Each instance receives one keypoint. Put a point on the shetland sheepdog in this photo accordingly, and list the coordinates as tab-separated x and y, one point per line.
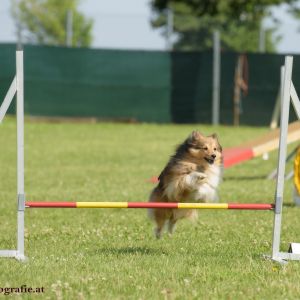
192	174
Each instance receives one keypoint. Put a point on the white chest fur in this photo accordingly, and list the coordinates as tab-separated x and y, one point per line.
202	186
206	189
213	175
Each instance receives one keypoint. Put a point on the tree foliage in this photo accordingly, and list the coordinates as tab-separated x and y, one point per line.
238	21
295	11
44	22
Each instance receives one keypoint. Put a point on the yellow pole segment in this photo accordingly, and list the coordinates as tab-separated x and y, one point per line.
101	204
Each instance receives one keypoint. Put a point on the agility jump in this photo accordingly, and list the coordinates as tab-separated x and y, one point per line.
240	206
288	93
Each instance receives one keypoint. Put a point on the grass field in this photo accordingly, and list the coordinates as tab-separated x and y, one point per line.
112	254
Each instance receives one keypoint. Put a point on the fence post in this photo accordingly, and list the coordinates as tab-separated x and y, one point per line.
216	78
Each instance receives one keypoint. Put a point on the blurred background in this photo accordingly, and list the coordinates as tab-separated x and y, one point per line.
157	61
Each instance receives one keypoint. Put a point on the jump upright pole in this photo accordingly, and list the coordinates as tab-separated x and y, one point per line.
20	156
17	87
173	205
287	93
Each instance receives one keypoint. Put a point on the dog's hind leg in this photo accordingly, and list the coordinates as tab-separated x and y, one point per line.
160	218
159	228
172	225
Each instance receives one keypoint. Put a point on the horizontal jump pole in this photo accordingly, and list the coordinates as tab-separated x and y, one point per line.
240	206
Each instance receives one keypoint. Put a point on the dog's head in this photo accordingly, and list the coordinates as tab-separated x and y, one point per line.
204	148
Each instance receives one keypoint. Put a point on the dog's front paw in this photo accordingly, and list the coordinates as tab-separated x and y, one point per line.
199	176
195	178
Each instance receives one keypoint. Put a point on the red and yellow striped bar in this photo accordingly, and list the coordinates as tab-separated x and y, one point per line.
238	206
51	204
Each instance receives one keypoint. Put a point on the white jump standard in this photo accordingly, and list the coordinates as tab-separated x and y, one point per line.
17	87
288	93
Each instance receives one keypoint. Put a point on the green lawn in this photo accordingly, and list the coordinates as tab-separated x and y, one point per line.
112	254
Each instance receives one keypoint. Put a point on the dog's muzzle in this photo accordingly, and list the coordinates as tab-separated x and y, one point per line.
210	160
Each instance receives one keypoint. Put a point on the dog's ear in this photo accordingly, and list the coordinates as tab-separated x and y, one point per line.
194	136
215	137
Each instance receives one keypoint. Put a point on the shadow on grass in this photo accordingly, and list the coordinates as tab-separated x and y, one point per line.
130	250
290	205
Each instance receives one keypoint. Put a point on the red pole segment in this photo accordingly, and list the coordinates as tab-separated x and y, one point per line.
51	204
249	206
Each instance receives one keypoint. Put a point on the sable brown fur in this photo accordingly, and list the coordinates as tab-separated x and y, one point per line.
192	174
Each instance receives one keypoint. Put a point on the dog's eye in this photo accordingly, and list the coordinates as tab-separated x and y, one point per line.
215	149
205	148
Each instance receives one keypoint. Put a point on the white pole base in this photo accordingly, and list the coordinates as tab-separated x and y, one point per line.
276	259
21	257
13	254
284	257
